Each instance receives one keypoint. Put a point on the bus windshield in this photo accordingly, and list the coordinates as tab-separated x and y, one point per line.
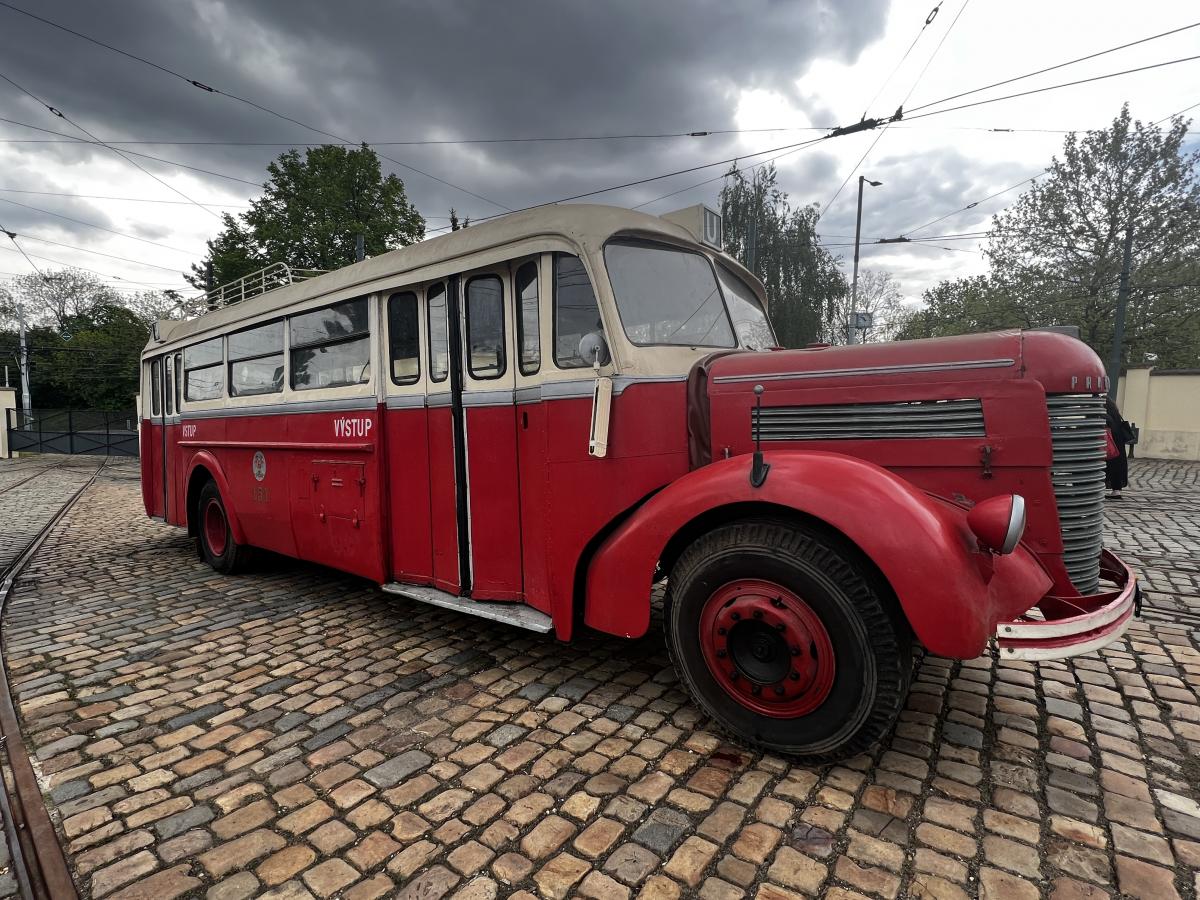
667	296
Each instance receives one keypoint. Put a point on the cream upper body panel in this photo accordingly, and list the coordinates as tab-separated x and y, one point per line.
581	228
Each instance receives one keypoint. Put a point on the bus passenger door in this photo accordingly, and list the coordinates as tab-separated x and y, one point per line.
170	413
493	507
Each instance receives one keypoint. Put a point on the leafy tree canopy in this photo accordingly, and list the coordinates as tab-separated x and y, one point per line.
778	242
84	338
1056	255
311	212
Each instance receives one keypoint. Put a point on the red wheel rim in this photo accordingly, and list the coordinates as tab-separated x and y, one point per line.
767	648
216	529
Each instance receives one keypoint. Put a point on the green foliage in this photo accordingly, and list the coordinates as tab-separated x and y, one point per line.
310	214
1057	253
85	340
804	284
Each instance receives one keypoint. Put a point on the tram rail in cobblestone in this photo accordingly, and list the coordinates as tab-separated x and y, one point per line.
42	470
38	860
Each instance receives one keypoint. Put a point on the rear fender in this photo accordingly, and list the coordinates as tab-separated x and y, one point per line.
951	592
207	461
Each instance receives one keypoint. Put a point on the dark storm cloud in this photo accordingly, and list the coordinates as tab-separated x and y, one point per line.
396	71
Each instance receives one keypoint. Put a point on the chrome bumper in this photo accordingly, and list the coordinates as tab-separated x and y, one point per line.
1063	627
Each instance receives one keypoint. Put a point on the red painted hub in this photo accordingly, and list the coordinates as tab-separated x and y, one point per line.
767	648
216	529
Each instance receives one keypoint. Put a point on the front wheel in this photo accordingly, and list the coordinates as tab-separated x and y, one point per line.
784	638
217	544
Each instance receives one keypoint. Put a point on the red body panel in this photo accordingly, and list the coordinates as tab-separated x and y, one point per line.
409	484
495	502
906	533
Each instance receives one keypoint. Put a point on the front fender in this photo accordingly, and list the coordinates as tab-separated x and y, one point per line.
951	592
209	462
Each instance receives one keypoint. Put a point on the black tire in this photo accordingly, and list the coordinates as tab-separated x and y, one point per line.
233	557
870	639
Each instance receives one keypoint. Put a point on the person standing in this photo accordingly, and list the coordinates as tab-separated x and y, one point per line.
1116	466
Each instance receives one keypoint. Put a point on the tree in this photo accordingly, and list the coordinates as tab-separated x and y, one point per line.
310	215
878	294
85	339
963	306
60	296
455	224
803	281
1056	255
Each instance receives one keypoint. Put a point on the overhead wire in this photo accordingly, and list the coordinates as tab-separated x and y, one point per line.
169	162
121	153
1061	65
137	262
1052	87
4	190
928	21
214	90
822	210
98	227
12	236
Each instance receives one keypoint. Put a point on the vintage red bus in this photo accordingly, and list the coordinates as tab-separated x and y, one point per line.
537	419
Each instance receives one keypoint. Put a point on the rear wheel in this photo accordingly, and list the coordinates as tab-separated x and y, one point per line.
783	637
217	544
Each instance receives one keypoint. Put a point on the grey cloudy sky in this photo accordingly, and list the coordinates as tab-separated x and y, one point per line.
452	69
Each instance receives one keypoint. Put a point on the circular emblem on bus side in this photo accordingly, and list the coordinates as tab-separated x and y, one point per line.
260	466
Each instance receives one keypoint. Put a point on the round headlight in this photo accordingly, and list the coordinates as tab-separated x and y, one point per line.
998	522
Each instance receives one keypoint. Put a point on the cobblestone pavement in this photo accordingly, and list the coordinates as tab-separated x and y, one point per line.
293	733
31	491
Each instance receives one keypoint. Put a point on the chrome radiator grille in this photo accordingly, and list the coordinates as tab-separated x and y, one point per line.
1077	436
871	421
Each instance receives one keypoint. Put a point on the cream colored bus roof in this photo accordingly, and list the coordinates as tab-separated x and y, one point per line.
588	225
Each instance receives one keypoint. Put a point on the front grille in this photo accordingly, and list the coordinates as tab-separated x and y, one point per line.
871	421
1077	435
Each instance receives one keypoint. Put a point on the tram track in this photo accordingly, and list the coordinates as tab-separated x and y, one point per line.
38	470
37	858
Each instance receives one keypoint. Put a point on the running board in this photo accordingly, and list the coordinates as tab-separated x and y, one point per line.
517	614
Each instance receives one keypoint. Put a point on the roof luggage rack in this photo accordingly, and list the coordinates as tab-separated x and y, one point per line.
274	276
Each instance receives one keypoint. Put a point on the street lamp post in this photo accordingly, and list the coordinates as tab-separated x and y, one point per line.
851	329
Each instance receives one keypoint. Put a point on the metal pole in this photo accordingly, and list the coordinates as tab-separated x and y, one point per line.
1114	359
25	400
851	331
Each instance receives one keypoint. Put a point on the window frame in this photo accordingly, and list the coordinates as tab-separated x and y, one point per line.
663	245
444	283
503	370
156	387
291	348
219	364
282	351
410	380
519	316
178	387
554	307
168	379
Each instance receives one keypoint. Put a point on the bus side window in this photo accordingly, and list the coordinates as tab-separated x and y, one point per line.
439	335
404	340
525	285
485	327
256	360
575	310
170	380
156	387
331	347
178	381
204	370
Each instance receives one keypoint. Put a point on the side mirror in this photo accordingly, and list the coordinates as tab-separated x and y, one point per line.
593	349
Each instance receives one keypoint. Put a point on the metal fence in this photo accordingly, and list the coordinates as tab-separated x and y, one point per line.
91	432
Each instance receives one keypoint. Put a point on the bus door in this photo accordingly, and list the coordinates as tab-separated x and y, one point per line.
170	437
154	442
474	489
489	415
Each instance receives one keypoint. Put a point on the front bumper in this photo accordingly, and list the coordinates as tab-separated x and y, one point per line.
1061	627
